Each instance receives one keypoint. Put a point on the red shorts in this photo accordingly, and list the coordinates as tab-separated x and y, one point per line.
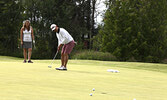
67	48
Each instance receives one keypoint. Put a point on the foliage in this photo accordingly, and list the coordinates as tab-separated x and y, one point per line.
10	26
93	55
136	29
133	29
72	15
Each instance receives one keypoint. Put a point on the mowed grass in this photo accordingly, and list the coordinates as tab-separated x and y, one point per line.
23	81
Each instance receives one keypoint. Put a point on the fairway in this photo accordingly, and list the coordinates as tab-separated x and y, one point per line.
24	81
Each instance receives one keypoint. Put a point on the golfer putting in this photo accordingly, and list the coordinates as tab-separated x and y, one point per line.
66	41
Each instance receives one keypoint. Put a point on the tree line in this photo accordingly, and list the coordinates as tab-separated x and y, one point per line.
132	30
76	16
135	30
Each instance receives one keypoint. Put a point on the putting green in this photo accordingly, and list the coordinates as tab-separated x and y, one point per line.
24	81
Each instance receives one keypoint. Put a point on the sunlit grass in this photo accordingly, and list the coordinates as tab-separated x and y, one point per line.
20	81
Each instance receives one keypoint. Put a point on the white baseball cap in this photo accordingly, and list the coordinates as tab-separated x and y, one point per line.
53	27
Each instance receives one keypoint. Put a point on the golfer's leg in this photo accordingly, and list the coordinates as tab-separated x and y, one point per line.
65	60
62	59
29	53
25	53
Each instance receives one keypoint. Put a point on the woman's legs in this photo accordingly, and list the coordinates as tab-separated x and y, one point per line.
29	53
25	54
27	46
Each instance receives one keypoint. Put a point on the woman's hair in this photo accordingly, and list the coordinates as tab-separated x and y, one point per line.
24	25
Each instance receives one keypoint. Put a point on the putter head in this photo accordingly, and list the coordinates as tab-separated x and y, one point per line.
49	66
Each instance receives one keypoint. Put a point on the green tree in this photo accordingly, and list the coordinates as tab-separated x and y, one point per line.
135	29
76	16
10	26
154	17
67	14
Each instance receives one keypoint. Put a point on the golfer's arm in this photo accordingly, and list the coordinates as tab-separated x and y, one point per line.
60	46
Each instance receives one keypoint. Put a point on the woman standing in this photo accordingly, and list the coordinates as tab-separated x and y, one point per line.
26	34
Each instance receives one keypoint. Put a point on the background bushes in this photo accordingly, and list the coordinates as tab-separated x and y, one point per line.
93	55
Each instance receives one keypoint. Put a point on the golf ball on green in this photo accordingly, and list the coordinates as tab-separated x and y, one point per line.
90	94
49	66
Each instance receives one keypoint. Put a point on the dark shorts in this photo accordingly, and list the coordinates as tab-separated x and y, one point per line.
27	45
67	48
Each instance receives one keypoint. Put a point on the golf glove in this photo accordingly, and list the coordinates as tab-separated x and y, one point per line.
33	41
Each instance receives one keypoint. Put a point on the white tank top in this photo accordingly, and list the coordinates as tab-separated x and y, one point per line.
27	36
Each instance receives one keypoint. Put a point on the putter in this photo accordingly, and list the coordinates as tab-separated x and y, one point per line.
50	66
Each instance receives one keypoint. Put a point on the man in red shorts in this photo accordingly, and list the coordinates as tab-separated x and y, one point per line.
65	40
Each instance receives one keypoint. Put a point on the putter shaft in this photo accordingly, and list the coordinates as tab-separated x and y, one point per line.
53	58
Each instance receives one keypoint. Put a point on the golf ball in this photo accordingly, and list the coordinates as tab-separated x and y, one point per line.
49	66
134	99
93	89
91	94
